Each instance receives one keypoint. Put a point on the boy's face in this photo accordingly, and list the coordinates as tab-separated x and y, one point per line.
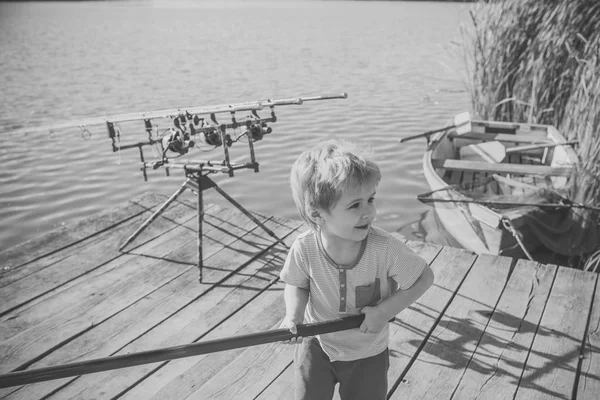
352	216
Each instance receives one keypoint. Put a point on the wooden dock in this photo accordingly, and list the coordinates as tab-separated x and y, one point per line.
490	327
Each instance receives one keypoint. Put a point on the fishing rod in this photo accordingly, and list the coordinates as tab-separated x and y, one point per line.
188	128
189	124
174	112
171	353
506	203
564	202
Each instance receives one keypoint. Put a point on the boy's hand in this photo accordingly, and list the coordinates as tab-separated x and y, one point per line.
374	321
290	325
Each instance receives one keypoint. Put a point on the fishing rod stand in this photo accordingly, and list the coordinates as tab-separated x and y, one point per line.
197	180
178	140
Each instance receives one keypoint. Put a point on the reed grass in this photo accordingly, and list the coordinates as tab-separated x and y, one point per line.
538	61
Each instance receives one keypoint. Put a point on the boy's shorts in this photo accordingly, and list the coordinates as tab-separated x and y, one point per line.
315	375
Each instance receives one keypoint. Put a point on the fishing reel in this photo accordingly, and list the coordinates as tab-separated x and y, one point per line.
213	133
257	130
177	141
214	137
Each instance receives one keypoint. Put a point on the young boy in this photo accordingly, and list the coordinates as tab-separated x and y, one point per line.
344	266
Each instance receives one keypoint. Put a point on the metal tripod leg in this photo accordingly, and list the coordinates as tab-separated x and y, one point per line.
198	183
246	212
200	208
202	183
208	183
156	214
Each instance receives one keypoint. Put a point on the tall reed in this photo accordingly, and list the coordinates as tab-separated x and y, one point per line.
538	61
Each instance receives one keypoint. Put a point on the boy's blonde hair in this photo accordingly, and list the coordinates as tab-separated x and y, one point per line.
320	175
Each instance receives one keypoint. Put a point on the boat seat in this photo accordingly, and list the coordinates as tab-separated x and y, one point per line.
500	137
501	168
492	152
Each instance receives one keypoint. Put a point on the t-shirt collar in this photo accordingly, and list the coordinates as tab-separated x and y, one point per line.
363	246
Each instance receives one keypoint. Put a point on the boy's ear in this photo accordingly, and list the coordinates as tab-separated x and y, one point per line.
315	216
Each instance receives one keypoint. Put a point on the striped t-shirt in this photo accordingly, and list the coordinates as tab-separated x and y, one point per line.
337	291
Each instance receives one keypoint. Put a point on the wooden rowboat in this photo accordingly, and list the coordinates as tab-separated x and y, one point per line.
495	185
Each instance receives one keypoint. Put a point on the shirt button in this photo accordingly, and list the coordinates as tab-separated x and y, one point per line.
342	285
343	298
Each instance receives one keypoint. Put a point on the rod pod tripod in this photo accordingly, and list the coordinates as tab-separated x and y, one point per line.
198	181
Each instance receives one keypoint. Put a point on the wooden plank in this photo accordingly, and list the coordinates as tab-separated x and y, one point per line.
82	229
91	233
501	129
192	376
480	126
76	270
529	147
468	178
455	177
428	251
517	169
103	293
130	223
47	274
204	301
282	387
502	137
493	187
248	374
125	328
177	379
589	378
552	363
497	363
516	159
412	328
441	362
263	313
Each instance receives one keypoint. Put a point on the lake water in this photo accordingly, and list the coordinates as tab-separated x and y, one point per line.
398	62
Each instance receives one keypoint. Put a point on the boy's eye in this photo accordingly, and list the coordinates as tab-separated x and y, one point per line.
355	205
372	200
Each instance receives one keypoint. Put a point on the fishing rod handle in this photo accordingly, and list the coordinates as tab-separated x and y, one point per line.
152	356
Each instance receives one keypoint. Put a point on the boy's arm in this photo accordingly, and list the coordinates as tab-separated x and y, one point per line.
296	300
377	317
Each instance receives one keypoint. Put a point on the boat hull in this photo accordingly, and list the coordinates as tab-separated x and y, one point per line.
477	227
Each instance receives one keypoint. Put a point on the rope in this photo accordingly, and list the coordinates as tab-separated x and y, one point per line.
593	263
509	226
147	357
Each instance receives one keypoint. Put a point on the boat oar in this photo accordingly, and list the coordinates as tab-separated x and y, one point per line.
527	147
496	152
462	123
171	353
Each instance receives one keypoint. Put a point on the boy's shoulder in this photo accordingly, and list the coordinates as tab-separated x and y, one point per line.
378	234
306	238
382	239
